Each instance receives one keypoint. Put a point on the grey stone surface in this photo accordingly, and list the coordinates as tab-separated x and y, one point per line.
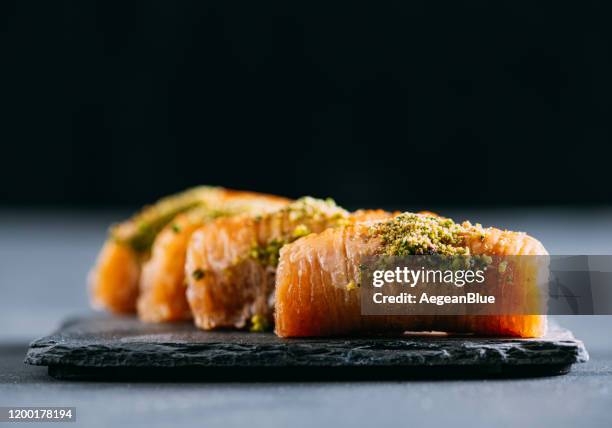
126	343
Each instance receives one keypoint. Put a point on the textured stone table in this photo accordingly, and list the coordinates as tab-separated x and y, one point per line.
104	347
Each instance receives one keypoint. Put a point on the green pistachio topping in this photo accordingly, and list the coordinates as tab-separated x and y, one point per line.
486	259
314	209
267	255
351	286
301	230
259	323
307	213
140	231
198	274
417	234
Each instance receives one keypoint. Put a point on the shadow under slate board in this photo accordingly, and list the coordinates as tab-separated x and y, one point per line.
112	348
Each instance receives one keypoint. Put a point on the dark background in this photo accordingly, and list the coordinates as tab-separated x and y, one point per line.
412	103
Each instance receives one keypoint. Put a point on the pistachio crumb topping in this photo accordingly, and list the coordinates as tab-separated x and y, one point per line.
198	274
307	213
268	254
308	207
351	286
176	228
417	234
259	323
486	259
140	231
301	230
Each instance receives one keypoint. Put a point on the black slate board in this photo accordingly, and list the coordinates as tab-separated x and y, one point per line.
124	348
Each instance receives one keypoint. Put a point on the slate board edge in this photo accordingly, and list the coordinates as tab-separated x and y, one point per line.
362	352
